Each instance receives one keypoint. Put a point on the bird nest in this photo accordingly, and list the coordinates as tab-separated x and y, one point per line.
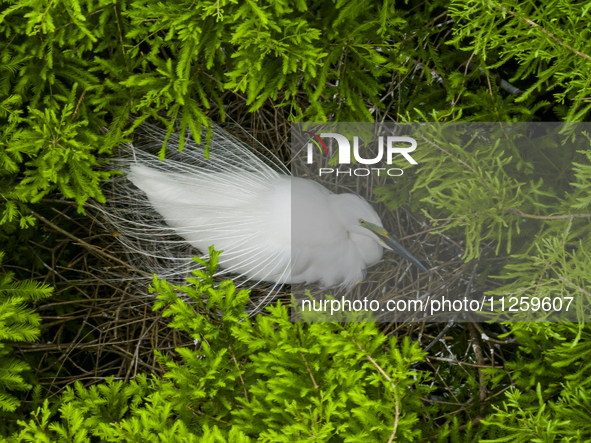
100	321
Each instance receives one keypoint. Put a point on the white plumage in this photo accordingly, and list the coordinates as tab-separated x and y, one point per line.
271	227
250	218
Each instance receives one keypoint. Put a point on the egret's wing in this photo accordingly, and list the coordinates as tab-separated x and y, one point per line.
225	153
165	212
243	218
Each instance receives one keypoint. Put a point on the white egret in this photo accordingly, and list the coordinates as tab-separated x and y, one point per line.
272	227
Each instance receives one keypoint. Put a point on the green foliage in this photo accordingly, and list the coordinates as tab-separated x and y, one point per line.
553	376
549	43
18	322
69	69
267	379
496	185
72	68
61	157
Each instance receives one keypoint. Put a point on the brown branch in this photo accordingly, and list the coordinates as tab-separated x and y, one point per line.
480	359
119	28
394	387
78	104
458	362
547	217
396	414
503	84
309	370
549	34
239	372
573	285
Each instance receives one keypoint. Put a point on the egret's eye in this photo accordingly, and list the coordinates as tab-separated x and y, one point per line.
361	221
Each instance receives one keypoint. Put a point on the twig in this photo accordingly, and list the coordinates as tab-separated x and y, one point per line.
458	362
547	217
119	28
78	104
309	370
394	387
439	336
86	245
480	359
503	84
549	34
239	372
396	414
570	283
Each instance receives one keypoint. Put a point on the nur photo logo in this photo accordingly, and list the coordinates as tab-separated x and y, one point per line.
387	146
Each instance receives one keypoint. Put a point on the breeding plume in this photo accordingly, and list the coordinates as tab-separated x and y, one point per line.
271	226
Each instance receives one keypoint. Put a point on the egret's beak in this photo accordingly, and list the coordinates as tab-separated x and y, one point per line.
390	243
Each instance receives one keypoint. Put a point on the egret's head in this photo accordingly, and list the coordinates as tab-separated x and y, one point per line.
389	242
